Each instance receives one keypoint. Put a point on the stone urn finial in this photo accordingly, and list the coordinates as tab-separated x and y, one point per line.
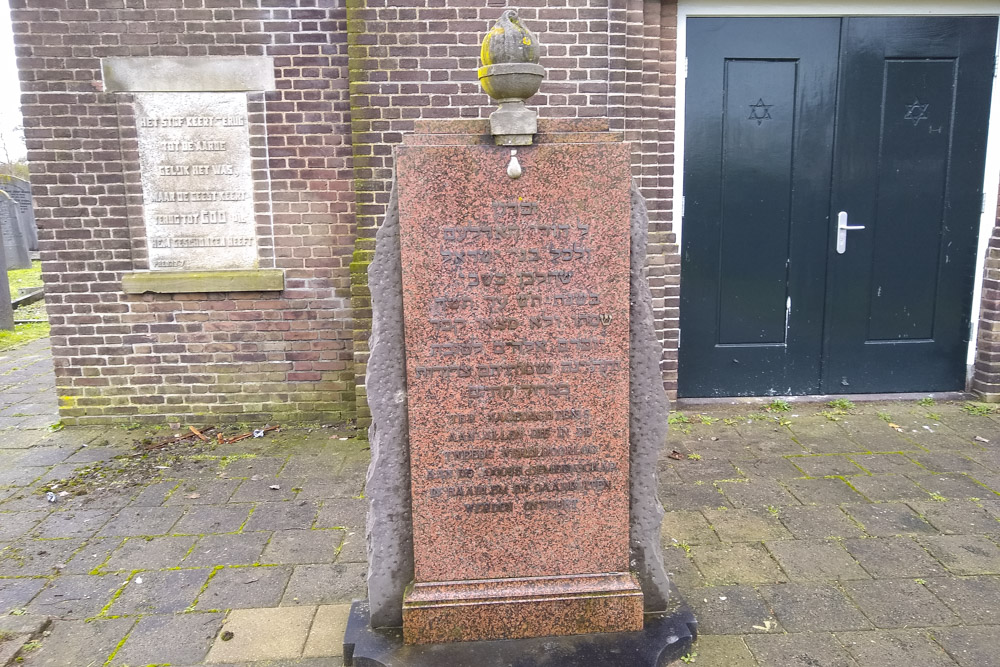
510	74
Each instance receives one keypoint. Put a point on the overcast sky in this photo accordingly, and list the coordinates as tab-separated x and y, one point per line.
10	91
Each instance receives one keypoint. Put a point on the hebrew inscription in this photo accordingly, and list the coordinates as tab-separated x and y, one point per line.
516	308
197	190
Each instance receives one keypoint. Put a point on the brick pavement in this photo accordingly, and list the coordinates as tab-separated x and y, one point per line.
806	537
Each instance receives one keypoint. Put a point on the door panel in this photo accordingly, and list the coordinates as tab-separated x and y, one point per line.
768	305
756	211
761	101
909	160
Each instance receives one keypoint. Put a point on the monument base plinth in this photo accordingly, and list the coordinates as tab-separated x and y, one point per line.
519	608
663	639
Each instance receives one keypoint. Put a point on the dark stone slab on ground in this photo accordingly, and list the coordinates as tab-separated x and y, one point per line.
664	639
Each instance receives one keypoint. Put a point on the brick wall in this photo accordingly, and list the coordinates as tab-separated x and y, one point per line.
986	371
413	59
351	80
238	356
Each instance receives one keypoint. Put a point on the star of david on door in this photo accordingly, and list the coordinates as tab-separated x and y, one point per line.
916	112
760	111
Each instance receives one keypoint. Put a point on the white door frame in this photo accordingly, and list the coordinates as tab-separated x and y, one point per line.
693	8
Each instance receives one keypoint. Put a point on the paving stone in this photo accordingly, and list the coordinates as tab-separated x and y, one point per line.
822	491
888	488
291	514
73	523
731	610
265	466
809	522
326	637
769	469
155	494
263	634
887	557
205	519
25	500
29	558
746	525
15	524
203	492
737	564
722	651
75	597
354	548
343	487
971	647
92	555
965	554
974	599
680	568
894	648
703	470
782	445
243	587
799	650
312	465
303	546
46	456
326	584
899	603
951	486
686	527
944	462
808	607
759	493
21	475
142	521
342	512
815	560
235	549
825	465
878	464
889	519
691	497
164	592
176	639
79	643
16	593
94	454
957	517
259	490
140	553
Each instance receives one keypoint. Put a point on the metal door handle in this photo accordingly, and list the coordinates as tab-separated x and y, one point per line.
842	229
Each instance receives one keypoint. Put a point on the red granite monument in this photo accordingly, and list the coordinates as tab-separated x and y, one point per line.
517	401
516	303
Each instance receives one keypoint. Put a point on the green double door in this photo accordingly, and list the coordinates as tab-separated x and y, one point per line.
833	179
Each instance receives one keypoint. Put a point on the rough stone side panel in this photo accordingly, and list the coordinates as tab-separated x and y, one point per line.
390	531
647	423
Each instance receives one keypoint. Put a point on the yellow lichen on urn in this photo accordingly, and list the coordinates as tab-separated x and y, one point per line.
509	42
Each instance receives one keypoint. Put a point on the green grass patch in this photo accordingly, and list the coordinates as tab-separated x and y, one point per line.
25	279
23	333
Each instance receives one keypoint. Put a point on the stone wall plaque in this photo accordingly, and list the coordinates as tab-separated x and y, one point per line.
197	187
516	303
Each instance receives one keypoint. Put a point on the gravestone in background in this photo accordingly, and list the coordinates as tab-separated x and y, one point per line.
20	191
14	244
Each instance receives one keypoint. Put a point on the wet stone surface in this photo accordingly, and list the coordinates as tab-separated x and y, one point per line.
820	578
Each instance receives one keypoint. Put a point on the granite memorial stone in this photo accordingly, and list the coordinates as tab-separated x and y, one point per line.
518	409
194	155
